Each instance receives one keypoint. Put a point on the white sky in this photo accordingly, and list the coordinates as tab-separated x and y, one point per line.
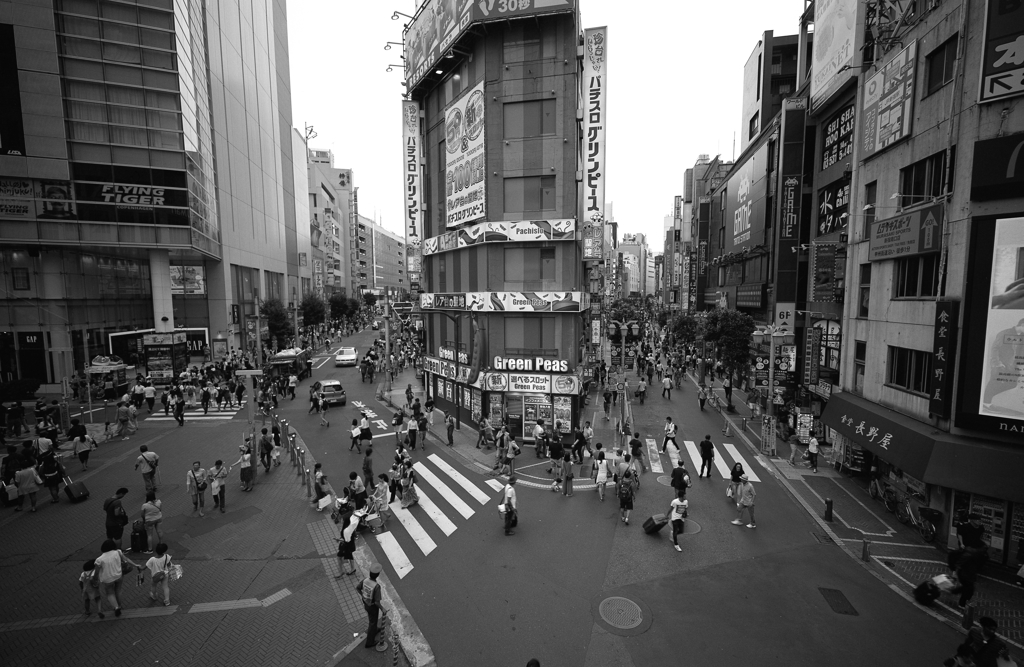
674	86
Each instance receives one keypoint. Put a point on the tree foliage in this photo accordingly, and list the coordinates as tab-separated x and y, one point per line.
339	305
313	310
685	328
370	298
276	315
730	331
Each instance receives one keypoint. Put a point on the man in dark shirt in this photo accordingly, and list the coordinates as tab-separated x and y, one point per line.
680	478
707	455
579	443
77	429
636	450
971	534
988	648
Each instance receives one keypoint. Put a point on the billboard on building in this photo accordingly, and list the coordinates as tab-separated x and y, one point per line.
188	279
837	138
12	129
595	119
746	198
501	232
834	48
465	161
413	195
439	23
521	302
1002	375
914	233
1002	66
887	115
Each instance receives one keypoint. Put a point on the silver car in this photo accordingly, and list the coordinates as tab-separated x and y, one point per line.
333	392
346	357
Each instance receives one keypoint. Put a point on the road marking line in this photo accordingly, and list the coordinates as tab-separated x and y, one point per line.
415	530
191	418
889	544
396	556
652	456
224	606
691	449
673	454
433	511
888	528
839	516
458	503
737	457
320	365
280	595
723	467
495	484
460	479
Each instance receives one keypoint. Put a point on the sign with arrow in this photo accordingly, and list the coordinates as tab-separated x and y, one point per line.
1002	61
916	232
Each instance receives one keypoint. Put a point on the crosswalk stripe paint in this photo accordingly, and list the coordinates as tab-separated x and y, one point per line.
396	556
458	503
413	527
460	479
694	453
495	484
434	512
190	418
652	456
723	467
735	454
673	454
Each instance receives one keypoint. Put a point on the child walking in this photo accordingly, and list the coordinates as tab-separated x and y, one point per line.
158	567
89	583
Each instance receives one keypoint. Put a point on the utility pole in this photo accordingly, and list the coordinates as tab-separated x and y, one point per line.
295	317
259	330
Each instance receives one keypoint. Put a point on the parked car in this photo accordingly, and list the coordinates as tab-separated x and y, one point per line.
334	393
376	325
346	357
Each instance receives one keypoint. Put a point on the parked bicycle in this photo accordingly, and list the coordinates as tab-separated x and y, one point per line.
924	520
878	489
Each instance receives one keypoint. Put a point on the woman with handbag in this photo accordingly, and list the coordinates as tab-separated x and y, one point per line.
409	495
218	480
347	545
27	480
736	475
195	484
151	518
111	566
83	446
602	471
245	460
567	475
159	570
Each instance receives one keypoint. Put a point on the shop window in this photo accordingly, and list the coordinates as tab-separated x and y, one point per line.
870	201
916	277
860	359
865	290
529	119
941	64
909	370
922	180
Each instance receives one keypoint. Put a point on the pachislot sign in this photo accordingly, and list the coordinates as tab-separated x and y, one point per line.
522	302
501	232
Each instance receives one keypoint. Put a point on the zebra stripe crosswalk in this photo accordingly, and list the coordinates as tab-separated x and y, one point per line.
417	530
720	462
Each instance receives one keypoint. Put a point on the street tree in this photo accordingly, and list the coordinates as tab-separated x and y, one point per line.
274	312
370	298
730	331
686	328
313	310
340	306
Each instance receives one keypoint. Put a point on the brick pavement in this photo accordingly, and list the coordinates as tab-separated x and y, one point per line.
259	559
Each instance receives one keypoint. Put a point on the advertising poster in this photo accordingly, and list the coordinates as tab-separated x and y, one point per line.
563	412
837	138
188	279
1002	68
1002	381
888	112
595	119
439	23
12	129
834	207
914	233
745	203
524	302
465	168
501	232
413	196
16	198
54	201
835	29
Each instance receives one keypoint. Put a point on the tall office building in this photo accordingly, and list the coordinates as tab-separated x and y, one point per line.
147	179
501	214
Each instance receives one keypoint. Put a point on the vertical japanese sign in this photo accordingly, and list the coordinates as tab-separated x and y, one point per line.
811	356
947	317
595	114
411	162
1002	62
465	166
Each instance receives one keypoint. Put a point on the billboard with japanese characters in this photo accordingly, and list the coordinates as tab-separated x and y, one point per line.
834	48
465	161
1002	61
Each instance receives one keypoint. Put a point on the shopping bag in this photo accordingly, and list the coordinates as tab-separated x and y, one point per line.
175	572
323	503
728	491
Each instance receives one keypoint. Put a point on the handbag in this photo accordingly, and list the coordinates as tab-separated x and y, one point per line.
200	486
323	503
729	491
356	432
127	567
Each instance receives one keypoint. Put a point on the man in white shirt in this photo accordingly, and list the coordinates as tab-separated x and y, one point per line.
670	435
677	515
293	382
511	505
148	461
149	391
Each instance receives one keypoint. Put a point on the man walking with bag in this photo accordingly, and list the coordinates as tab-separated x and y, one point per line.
369	591
508	498
745	501
707	455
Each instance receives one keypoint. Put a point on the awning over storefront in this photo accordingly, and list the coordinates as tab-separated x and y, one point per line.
931	455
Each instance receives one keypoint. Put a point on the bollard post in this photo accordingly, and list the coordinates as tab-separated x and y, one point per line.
302	461
828	509
865	551
743	422
291	447
309	486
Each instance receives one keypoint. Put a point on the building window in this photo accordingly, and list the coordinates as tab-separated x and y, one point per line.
940	64
916	277
525	41
860	360
529	265
754	125
529	333
909	370
870	201
529	119
922	181
530	194
865	290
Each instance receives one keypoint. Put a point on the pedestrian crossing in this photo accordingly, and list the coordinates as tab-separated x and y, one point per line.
194	414
723	467
445	494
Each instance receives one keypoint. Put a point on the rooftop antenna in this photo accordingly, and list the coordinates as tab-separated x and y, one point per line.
733	146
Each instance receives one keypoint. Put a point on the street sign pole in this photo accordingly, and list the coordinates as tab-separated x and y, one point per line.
251	405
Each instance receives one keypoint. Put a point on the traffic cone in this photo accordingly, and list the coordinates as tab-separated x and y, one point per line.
727	431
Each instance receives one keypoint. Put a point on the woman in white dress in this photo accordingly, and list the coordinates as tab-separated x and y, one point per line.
601	474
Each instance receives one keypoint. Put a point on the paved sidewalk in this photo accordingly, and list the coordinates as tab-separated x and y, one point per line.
258	584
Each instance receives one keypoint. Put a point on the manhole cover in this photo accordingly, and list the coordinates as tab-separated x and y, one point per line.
621	613
838	601
665	479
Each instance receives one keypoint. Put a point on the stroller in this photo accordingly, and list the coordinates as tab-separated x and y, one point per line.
372	515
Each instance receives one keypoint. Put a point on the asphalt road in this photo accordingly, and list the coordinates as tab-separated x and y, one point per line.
733	596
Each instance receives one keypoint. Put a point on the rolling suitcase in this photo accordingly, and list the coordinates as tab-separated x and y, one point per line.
75	491
140	541
655	523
